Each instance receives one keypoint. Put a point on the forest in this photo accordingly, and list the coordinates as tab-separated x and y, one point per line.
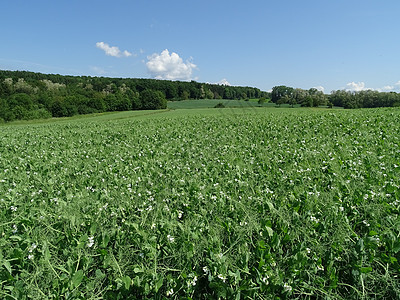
28	95
340	98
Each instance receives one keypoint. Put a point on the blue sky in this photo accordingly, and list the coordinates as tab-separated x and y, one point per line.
335	44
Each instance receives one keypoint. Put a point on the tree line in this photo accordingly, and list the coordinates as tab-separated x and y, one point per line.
29	95
342	98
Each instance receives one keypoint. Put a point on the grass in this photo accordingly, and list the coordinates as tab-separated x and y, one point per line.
245	203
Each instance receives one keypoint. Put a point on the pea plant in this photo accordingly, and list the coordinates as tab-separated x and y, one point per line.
254	204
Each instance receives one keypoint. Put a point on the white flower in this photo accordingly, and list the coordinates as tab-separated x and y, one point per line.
13	208
170	292
220	276
308	250
90	241
180	213
206	270
33	247
314	219
194	280
30	256
153	225
287	287
15	229
170	238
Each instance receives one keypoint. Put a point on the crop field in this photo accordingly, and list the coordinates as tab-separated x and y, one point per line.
210	103
257	203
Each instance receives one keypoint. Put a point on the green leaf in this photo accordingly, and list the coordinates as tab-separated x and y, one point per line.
366	269
15	238
46	252
261	245
106	239
99	274
77	278
261	263
136	226
127	282
396	247
7	265
159	284
270	231
270	205
93	228
82	241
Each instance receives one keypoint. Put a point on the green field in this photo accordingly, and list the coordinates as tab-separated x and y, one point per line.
210	103
233	203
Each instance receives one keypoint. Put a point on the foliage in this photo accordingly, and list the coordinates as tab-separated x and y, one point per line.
368	99
244	204
23	93
288	95
262	100
153	100
347	99
281	91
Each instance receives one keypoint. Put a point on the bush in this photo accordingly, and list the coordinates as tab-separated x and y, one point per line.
40	113
262	100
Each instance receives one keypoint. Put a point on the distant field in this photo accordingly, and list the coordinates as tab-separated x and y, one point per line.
206	103
232	203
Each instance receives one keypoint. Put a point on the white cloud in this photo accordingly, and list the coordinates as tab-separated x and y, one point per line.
356	86
386	88
320	88
360	86
223	82
112	51
390	88
169	66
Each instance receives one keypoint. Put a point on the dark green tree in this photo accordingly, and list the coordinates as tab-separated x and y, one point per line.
281	91
152	99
